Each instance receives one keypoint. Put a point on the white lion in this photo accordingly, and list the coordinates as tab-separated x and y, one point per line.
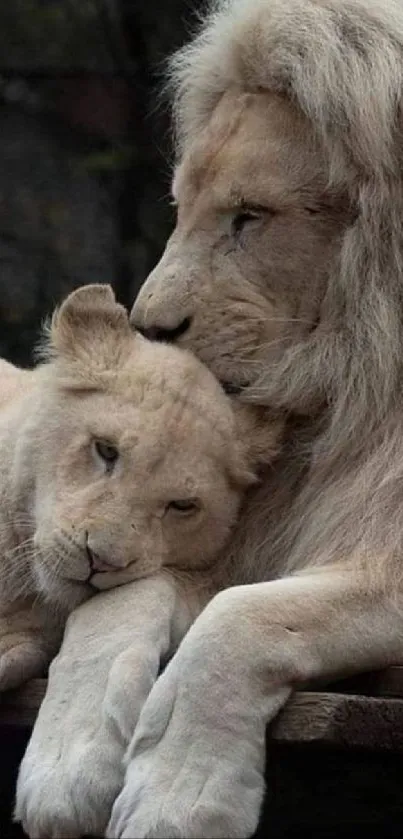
119	458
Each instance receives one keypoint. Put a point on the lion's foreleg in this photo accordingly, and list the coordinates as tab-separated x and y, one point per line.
197	758
112	652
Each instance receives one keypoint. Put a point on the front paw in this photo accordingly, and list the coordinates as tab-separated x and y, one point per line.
22	657
188	774
69	791
205	797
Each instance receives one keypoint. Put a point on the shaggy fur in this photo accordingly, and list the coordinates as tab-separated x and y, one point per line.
284	274
74	522
342	64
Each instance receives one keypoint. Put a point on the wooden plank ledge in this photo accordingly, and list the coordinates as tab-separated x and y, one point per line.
342	720
371	717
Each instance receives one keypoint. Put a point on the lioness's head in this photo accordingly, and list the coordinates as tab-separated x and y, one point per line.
138	458
284	272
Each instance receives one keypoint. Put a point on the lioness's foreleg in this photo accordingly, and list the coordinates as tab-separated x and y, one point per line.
197	758
29	638
111	655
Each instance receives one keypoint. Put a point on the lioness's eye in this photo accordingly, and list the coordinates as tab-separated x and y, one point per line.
186	506
106	452
245	216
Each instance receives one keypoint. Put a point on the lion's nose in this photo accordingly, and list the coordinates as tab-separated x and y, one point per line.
97	564
157	332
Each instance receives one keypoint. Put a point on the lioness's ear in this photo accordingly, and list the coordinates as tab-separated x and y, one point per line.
90	326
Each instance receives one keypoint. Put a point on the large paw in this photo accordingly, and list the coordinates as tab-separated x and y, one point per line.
190	772
22	657
204	797
73	768
69	791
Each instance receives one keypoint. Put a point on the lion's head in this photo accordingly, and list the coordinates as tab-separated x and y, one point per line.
135	457
255	221
285	270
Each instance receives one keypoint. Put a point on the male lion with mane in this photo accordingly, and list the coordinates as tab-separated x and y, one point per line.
285	276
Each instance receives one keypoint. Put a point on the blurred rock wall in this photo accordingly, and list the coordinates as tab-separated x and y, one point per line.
84	151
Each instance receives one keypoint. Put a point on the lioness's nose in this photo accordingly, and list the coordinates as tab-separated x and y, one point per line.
156	332
97	563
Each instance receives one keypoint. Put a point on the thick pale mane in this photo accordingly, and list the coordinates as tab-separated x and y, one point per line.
341	64
341	60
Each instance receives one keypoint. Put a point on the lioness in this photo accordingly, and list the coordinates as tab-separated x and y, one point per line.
119	457
285	275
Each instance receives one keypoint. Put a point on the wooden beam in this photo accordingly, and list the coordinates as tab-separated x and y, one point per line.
311	717
20	707
342	720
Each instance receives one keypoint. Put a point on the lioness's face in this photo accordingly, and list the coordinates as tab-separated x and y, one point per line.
141	473
245	271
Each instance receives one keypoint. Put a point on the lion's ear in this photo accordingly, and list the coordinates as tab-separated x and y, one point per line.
91	327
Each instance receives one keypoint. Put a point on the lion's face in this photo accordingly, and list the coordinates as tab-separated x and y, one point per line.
245	271
138	459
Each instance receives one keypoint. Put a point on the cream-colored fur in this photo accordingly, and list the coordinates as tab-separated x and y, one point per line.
72	521
285	275
112	652
179	437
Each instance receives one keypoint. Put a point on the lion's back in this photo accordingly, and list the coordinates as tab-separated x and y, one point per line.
14	383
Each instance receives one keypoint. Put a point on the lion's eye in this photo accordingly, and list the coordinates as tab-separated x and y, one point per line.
106	452
185	506
245	216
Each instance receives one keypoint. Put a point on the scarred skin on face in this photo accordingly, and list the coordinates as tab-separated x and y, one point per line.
250	184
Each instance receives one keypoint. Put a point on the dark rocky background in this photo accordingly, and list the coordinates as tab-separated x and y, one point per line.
84	151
